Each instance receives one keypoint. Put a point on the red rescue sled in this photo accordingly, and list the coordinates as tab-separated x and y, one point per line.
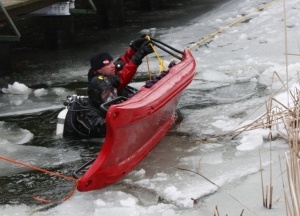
136	125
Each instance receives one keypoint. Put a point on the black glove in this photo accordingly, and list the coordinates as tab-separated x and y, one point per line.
137	43
144	50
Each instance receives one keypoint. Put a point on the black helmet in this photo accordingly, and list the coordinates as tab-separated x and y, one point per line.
99	89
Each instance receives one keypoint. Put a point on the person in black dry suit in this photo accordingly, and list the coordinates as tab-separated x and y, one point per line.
107	80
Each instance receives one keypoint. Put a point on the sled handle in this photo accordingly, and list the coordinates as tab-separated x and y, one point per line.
172	48
83	168
167	51
159	44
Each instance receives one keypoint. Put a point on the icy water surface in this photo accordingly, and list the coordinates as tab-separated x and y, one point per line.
44	149
192	169
29	120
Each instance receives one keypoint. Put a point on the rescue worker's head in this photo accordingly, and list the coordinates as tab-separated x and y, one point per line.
99	90
102	63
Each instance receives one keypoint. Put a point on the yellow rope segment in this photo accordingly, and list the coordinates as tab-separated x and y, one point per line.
162	67
231	24
161	64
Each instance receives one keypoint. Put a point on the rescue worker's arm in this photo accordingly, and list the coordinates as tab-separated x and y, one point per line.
127	73
133	48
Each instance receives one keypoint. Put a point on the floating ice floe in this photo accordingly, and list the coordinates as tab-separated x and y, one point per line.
16	88
40	92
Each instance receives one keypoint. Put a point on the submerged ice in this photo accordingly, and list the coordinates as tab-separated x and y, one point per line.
12	134
12	146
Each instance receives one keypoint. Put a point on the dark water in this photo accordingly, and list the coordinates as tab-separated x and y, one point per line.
21	187
34	66
30	59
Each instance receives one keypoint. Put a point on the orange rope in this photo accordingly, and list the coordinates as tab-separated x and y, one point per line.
48	172
37	168
65	199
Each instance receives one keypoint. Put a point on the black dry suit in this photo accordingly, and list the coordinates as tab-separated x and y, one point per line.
85	117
